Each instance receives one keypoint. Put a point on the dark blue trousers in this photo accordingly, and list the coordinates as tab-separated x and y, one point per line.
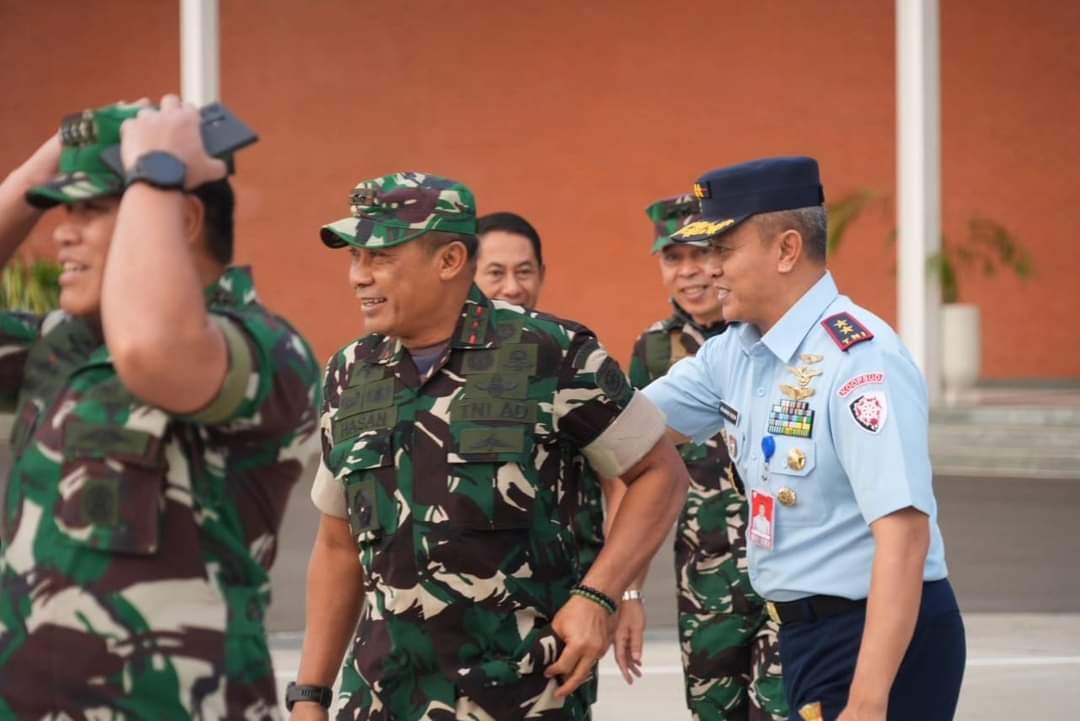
819	657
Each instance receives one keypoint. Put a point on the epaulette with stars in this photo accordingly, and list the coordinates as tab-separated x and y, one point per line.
845	330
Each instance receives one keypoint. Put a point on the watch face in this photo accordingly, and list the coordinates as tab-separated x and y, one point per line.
162	170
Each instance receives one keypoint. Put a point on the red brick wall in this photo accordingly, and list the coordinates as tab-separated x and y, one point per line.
578	115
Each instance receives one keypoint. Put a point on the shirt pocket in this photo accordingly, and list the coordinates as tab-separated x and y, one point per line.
791	469
112	485
488	484
367	473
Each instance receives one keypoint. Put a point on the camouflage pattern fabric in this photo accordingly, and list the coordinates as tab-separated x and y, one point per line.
670	214
83	175
395	209
460	493
136	545
731	660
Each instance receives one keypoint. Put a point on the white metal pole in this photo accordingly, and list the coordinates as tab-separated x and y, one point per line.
918	184
199	61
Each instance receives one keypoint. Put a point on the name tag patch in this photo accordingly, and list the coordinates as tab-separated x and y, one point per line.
351	426
494	409
730	414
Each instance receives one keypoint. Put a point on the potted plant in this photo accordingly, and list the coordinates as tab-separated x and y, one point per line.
987	247
32	286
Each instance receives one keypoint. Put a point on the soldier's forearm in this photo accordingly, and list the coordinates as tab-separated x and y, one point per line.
334	597
901	541
656	492
165	348
614	492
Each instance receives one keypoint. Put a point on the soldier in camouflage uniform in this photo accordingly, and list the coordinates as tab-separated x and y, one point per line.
453	441
510	267
730	655
149	481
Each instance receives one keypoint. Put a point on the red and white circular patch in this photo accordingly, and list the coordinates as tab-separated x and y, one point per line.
870	411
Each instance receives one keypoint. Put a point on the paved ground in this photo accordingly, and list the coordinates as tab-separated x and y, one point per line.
1020	666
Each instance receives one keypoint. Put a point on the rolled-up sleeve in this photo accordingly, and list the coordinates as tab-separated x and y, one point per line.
599	411
271	386
327	493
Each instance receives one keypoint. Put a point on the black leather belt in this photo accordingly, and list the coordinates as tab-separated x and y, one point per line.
811	608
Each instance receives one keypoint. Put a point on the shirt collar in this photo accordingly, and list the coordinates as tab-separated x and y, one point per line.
784	338
680	317
475	329
476	326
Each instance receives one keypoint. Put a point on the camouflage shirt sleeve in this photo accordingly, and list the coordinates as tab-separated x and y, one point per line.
327	493
18	331
639	370
271	385
597	408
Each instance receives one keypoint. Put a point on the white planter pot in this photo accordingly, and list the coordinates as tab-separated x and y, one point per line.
961	345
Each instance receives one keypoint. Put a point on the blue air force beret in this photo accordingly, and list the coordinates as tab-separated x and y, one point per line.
730	195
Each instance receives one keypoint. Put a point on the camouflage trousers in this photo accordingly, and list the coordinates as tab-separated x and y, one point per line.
434	697
731	664
730	652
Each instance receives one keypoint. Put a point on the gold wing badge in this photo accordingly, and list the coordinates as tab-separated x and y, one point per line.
796	394
804	375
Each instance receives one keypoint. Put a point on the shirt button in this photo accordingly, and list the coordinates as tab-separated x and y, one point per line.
753	456
761	392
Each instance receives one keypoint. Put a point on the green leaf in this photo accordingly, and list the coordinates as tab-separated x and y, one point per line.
842	213
32	287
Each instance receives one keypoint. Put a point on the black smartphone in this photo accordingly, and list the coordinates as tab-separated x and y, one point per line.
222	132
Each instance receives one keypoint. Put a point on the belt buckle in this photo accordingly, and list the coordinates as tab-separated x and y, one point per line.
774	614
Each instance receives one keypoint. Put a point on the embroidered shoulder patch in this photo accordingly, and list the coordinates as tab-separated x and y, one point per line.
860	380
870	411
845	330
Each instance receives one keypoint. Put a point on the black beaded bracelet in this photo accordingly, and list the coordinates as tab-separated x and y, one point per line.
595	596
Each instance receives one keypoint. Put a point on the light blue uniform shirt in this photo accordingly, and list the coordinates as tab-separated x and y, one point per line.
867	454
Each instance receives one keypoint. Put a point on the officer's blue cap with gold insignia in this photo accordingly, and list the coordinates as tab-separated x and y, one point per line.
730	195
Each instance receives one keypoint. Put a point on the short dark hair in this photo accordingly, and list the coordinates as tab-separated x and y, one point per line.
810	222
435	239
512	223
219	206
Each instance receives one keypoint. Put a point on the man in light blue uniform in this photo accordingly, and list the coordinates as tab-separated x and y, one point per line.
825	415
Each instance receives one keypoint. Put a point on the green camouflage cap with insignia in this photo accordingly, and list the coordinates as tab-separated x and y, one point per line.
395	209
83	176
670	214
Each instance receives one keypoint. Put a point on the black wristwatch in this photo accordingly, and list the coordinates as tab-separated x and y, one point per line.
159	169
322	695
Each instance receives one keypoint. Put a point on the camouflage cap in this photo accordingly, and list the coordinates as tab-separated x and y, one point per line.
397	208
82	174
670	214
